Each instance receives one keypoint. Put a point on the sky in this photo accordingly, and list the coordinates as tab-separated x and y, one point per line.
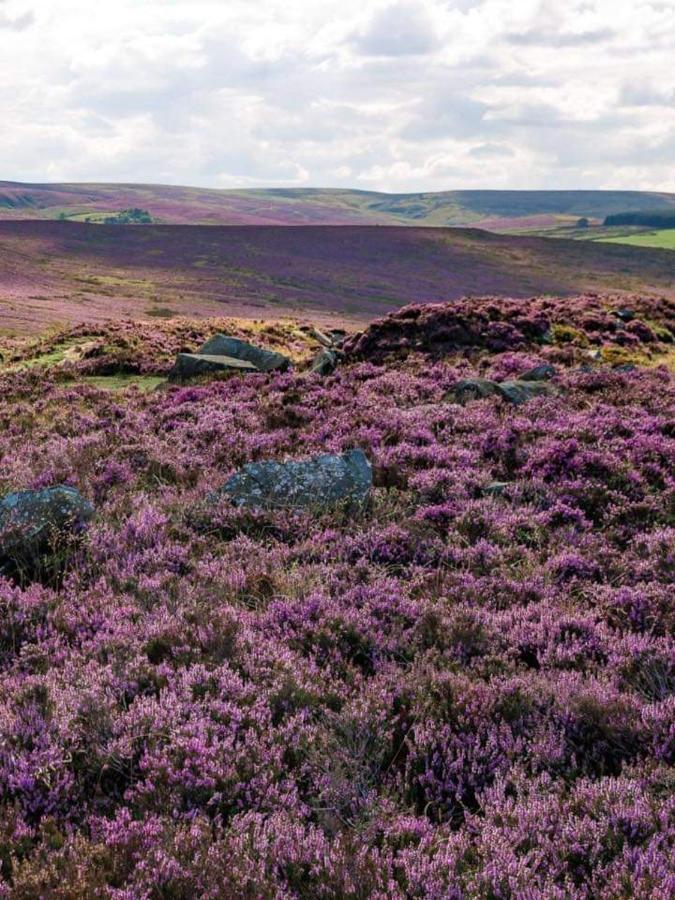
390	95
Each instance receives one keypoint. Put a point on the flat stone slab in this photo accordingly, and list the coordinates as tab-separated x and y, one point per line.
234	348
317	483
189	365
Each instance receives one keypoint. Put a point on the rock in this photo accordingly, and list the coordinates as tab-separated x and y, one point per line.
594	355
31	522
495	488
316	483
626	315
624	367
474	389
325	362
263	360
515	392
519	392
542	372
189	365
324	339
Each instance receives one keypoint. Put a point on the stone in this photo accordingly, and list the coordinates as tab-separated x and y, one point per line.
324	339
33	521
317	483
189	365
626	315
519	392
263	360
624	367
474	389
325	362
495	488
542	372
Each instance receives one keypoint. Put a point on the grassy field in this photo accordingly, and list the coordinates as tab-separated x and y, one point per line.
663	238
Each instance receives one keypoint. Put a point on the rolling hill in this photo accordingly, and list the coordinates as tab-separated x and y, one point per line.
492	210
66	272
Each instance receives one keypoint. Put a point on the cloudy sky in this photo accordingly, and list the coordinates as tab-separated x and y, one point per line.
395	95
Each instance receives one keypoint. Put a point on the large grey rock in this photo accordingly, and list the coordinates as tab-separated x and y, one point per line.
189	365
325	362
33	521
542	372
474	389
317	483
516	392
263	360
519	392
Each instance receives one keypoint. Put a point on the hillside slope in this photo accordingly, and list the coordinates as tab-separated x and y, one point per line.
495	210
65	272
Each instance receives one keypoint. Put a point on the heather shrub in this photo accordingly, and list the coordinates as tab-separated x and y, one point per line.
458	691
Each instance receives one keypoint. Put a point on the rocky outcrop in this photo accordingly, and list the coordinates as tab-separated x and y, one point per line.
227	354
318	483
33	523
474	389
263	360
516	392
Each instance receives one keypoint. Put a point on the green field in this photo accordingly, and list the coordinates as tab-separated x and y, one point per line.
663	238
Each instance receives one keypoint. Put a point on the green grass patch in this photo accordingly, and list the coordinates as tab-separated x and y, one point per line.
663	239
121	382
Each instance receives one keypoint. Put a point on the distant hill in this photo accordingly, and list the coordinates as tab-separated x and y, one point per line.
501	211
67	272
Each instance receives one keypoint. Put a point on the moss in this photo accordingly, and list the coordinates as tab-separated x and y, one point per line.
565	334
621	356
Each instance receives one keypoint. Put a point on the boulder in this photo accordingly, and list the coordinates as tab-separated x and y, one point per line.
519	392
317	483
32	522
263	360
542	372
515	392
325	362
626	315
189	365
474	389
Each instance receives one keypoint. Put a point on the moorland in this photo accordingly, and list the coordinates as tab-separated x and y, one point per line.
460	686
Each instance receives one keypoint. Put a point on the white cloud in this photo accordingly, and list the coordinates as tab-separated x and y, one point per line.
384	94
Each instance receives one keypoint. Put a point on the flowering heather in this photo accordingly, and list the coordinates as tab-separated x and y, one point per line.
453	693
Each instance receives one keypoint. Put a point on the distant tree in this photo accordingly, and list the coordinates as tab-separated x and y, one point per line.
583	222
133	216
655	218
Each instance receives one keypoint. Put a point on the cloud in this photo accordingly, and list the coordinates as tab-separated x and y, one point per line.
646	95
15	22
385	94
402	29
490	151
550	38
